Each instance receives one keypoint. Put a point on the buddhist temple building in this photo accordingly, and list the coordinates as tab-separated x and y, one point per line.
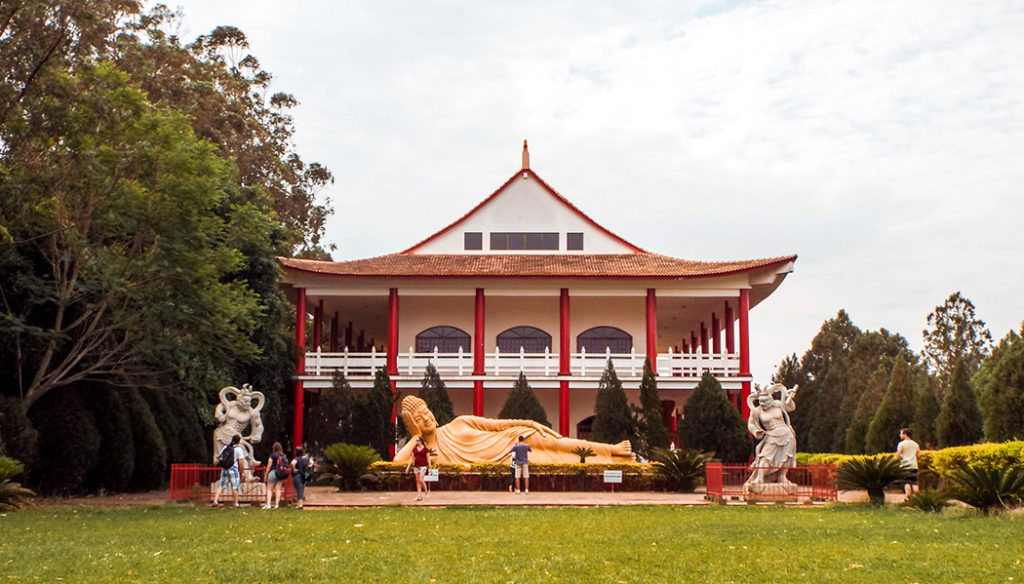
527	282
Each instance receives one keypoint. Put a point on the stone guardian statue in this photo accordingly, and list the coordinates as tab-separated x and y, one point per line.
776	451
237	413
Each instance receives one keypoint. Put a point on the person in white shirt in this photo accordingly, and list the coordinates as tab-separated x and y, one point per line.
908	451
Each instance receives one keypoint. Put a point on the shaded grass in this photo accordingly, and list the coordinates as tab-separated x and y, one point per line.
611	544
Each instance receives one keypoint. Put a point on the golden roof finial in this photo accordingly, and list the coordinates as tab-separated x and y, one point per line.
526	156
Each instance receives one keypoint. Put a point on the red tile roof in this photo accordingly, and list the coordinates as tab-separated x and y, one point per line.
614	266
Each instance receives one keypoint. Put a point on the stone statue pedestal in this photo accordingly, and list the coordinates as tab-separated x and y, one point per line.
248	491
770	492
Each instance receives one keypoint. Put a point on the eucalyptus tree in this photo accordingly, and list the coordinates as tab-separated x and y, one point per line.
954	333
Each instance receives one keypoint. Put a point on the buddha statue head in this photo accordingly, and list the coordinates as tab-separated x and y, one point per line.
418	418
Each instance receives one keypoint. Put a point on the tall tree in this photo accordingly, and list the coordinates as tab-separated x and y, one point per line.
522	404
959	421
114	212
895	412
713	424
954	334
435	393
613	418
651	430
1000	386
376	416
870	400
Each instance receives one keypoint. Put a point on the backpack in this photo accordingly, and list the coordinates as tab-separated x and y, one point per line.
226	459
281	467
304	468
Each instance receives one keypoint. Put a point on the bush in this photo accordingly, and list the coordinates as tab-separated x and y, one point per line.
349	464
928	500
12	495
873	474
150	450
522	404
20	439
115	460
948	461
712	424
435	393
613	420
682	469
989	489
68	442
584	452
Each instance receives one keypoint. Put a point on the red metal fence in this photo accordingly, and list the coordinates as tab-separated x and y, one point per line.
199	481
809	483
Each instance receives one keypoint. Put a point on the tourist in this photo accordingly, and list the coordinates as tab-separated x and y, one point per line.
276	473
231	476
521	452
302	469
420	459
908	451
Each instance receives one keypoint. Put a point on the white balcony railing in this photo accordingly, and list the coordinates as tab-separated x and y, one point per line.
544	364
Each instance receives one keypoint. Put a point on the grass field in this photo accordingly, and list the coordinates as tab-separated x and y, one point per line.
181	543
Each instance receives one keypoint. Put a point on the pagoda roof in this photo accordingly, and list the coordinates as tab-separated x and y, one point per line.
641	265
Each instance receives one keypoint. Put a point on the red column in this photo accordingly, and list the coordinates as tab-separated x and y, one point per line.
478	354
392	359
300	366
318	324
716	336
652	329
564	347
333	343
703	338
730	336
745	348
693	342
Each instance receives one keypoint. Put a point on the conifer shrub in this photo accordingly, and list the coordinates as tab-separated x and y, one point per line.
613	417
895	412
522	404
651	430
711	423
68	442
434	391
959	420
331	420
115	462
194	444
20	439
150	451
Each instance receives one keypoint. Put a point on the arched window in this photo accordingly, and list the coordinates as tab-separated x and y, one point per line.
532	340
600	338
447	339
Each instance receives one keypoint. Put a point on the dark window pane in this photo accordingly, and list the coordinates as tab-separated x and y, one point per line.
532	340
534	240
499	241
474	240
574	241
550	241
601	338
447	339
516	241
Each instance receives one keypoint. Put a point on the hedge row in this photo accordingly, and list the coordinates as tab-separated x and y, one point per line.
941	463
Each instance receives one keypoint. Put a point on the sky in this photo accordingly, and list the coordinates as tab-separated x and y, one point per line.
880	140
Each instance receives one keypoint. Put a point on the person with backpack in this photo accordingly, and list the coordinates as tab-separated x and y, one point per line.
278	470
302	471
232	463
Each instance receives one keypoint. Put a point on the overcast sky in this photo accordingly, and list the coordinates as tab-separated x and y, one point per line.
881	140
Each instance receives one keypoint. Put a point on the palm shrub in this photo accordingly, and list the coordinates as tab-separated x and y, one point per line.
873	475
349	464
583	452
928	500
681	469
989	489
12	495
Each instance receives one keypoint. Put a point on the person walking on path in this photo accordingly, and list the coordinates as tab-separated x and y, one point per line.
231	477
277	472
302	469
420	459
908	451
521	452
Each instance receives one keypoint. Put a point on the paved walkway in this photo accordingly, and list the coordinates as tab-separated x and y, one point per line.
330	498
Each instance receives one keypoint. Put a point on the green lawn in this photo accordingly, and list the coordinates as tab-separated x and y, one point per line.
181	543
